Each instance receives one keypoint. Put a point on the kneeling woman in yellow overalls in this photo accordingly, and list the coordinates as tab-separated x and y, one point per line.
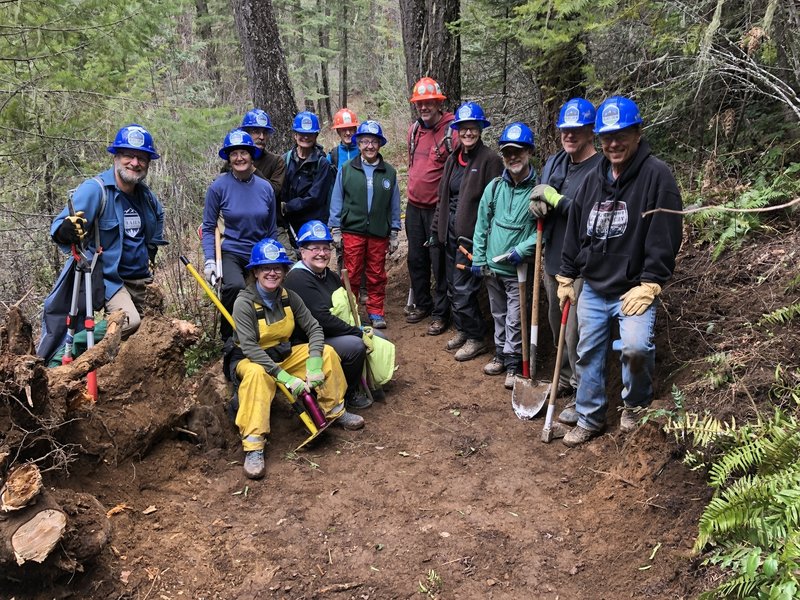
265	315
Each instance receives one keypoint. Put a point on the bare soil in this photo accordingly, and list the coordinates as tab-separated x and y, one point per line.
444	494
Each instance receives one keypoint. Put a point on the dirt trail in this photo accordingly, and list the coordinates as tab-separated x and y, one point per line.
445	489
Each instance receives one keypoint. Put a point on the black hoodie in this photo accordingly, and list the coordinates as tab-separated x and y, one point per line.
608	243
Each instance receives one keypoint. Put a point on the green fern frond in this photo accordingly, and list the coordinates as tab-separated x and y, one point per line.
781	316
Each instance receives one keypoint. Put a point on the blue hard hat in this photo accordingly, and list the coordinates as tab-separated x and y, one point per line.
517	135
370	127
314	231
257	118
238	138
305	122
134	137
268	252
577	112
470	111
616	113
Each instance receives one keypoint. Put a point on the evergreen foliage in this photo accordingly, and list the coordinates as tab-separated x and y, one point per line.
751	527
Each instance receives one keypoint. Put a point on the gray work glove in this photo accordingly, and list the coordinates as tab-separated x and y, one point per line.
538	209
394	243
210	271
336	234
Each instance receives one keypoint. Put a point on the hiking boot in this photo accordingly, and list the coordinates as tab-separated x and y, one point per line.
509	382
458	340
579	435
496	367
377	321
470	350
350	421
357	401
569	416
378	395
408	309
437	327
416	315
629	420
254	467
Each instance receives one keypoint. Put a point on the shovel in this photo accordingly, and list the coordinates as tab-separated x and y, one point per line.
552	431
527	398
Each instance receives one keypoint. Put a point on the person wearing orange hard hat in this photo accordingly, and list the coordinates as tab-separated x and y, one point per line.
345	123
430	141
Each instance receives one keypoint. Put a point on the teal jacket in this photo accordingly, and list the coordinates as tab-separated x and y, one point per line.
504	223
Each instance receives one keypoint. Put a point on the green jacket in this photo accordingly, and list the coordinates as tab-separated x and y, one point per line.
354	217
504	223
247	333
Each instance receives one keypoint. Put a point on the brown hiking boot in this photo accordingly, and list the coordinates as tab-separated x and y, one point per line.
629	420
496	367
437	327
509	382
569	416
458	340
417	314
579	435
470	350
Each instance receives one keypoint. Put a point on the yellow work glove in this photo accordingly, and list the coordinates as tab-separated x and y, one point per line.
638	299
366	337
72	229
566	290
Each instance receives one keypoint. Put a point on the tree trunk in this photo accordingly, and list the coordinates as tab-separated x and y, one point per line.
431	50
265	65
205	34
324	42
343	59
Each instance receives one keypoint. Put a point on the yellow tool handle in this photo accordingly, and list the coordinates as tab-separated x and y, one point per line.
209	292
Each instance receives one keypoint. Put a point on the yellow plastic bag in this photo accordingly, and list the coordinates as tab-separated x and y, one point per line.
381	361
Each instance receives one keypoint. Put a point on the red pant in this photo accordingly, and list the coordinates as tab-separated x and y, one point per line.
367	252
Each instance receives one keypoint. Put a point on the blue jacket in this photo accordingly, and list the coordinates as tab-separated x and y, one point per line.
88	198
306	188
343	154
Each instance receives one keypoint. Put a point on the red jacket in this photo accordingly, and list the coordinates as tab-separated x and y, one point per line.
426	165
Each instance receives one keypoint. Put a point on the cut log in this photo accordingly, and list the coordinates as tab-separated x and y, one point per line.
35	539
22	485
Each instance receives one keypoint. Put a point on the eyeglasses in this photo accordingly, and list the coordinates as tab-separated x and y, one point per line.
367	143
469	128
270	269
621	137
128	157
317	249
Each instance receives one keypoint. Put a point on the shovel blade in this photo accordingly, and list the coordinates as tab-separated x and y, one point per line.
529	398
314	436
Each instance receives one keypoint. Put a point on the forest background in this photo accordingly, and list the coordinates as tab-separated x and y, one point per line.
717	83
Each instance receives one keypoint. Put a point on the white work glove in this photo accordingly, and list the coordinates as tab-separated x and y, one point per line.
336	234
210	271
394	243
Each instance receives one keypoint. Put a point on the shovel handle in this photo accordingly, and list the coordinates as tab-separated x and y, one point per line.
562	335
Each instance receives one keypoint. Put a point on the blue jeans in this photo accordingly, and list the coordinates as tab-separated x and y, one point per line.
595	315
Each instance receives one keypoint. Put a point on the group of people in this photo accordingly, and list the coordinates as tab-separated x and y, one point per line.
611	232
471	220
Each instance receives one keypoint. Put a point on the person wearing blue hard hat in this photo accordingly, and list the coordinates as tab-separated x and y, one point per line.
505	236
267	316
624	259
132	230
309	176
321	290
365	216
561	177
269	165
242	206
467	172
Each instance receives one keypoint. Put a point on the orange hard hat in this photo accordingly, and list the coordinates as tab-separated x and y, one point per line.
427	89
344	119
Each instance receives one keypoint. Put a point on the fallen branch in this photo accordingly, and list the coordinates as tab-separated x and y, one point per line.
689	211
339	587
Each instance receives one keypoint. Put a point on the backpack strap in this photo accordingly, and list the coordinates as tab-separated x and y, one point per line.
335	158
103	202
412	141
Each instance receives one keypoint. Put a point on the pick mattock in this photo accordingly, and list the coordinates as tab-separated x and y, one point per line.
82	267
296	405
357	320
556	430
